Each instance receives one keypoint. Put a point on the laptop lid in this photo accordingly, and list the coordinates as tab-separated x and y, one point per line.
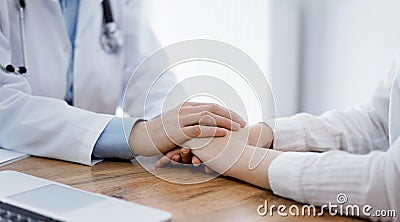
62	202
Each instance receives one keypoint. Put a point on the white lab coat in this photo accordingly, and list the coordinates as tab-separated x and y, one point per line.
33	116
363	158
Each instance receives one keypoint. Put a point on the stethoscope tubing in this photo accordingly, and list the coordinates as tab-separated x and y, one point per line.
111	42
23	69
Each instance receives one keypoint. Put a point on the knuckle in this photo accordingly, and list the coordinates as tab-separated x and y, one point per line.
217	106
226	122
211	131
214	107
182	110
205	113
181	120
195	131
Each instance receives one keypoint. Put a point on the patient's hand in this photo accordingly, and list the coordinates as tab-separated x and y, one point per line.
232	156
220	153
205	149
259	135
178	155
183	156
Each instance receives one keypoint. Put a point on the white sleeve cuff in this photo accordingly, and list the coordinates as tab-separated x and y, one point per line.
285	173
289	135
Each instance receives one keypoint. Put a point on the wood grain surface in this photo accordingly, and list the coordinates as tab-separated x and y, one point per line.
220	199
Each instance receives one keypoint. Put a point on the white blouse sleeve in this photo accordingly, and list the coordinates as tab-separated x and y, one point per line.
357	130
318	178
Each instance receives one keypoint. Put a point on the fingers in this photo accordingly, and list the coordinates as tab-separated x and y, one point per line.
193	104
172	153
183	155
168	158
204	131
196	161
218	110
208	170
162	162
210	119
176	159
186	155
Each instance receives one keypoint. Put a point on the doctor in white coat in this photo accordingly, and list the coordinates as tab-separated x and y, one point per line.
66	62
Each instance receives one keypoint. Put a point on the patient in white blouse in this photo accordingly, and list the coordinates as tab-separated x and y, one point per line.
312	159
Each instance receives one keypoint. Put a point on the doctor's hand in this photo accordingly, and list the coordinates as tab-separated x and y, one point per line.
181	156
189	120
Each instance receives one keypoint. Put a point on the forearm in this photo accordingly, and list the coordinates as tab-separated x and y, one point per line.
64	133
251	169
231	156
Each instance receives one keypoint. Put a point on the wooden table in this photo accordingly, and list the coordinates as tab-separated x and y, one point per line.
221	199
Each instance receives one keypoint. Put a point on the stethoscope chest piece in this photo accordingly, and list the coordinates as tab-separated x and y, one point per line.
111	40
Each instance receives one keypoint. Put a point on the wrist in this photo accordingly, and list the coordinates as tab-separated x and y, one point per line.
148	138
261	135
136	138
140	140
222	153
251	169
269	135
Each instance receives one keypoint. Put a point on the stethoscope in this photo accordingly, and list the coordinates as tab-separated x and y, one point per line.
111	39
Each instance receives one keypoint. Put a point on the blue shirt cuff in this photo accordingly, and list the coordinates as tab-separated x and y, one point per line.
112	142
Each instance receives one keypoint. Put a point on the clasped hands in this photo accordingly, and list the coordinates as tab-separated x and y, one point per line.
191	125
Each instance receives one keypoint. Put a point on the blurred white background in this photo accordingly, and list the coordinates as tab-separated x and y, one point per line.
317	54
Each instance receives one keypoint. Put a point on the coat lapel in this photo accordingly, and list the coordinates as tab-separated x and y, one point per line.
87	9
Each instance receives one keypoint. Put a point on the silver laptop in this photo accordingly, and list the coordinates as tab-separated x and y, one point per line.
28	198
